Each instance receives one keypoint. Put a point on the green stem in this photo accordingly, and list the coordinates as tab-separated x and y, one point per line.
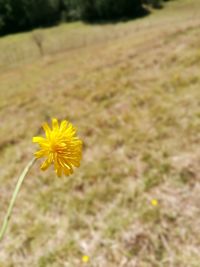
14	196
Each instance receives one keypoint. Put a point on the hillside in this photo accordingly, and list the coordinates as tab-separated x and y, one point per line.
133	91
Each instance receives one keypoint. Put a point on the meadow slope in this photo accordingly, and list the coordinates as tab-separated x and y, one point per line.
133	91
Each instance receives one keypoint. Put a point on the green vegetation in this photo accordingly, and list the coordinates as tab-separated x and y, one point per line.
93	10
23	15
132	89
20	15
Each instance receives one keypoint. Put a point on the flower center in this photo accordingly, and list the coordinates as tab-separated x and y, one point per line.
57	147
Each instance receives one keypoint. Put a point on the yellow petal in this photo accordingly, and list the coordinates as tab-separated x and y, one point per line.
38	139
63	125
45	164
55	124
67	172
40	153
58	171
46	129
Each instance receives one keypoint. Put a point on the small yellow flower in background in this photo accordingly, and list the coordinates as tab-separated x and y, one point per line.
61	147
154	202
85	258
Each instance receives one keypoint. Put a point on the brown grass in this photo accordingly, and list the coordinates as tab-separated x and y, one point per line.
133	91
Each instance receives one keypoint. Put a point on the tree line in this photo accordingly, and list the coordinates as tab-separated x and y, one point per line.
22	15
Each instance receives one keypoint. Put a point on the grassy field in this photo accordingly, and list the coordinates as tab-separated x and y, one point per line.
133	91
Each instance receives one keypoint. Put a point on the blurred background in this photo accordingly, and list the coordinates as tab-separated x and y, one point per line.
126	74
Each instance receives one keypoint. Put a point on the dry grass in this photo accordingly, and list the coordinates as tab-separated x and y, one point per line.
133	91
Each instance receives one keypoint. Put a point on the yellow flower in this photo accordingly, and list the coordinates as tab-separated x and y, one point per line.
85	258
154	202
61	147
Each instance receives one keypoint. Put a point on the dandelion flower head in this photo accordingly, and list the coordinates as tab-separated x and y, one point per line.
60	147
154	202
85	258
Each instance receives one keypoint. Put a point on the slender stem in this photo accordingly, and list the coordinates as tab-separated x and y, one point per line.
14	196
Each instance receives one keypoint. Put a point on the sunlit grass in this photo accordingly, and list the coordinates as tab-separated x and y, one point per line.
133	90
